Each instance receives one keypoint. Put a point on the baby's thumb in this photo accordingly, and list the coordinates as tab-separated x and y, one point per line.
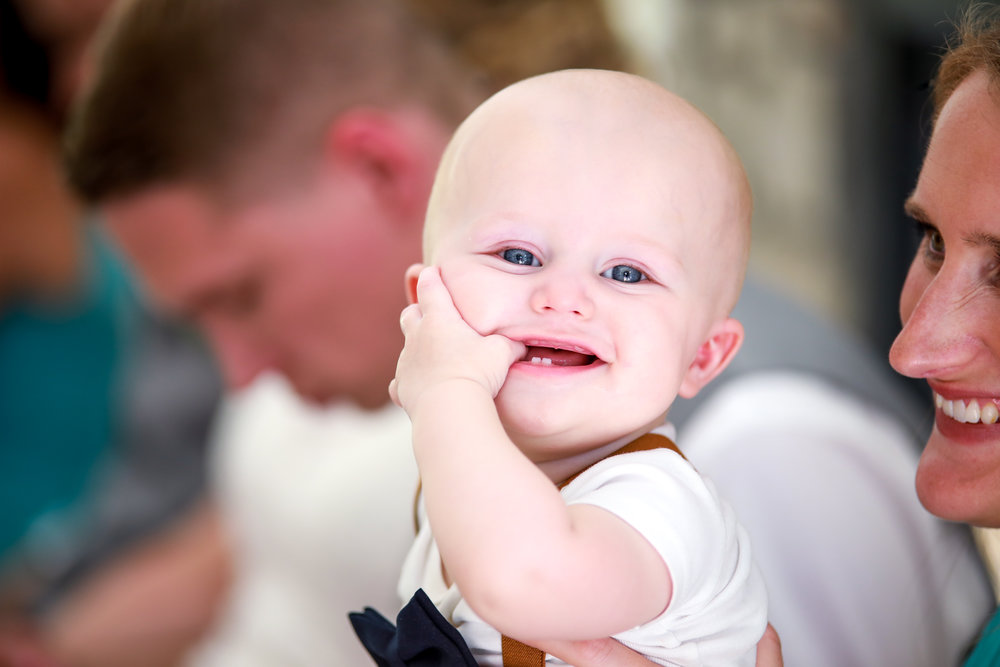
431	290
394	392
506	348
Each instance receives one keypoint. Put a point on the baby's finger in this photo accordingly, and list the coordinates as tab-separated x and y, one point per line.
432	294
394	391
511	349
410	315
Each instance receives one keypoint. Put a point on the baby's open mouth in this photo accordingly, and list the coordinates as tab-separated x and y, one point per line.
550	356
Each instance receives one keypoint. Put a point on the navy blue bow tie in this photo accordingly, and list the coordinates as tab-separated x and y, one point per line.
422	637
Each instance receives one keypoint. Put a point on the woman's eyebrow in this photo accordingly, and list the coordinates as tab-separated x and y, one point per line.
915	211
985	239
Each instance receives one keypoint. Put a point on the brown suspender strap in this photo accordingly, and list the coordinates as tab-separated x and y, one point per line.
416	508
641	444
518	654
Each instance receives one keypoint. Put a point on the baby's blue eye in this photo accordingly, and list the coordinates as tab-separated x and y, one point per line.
520	256
624	274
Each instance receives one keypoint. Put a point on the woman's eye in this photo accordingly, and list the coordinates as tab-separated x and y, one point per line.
520	256
931	241
624	274
935	242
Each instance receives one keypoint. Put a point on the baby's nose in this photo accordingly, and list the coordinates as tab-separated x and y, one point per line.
560	293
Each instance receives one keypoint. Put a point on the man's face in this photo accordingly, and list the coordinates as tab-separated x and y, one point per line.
305	282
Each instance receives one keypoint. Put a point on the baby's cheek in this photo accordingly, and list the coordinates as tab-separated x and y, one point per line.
468	295
658	361
476	311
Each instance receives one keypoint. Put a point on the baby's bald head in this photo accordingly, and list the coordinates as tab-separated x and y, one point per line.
611	139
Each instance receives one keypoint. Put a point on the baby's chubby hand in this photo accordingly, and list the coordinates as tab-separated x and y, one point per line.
441	347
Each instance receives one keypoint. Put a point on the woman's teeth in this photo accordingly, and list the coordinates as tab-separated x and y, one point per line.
968	412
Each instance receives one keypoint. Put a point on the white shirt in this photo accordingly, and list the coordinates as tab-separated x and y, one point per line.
858	573
718	609
320	506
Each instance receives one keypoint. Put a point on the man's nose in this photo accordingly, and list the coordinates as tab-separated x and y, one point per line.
938	338
241	354
562	292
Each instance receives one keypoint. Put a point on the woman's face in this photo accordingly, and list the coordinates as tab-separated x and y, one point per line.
950	307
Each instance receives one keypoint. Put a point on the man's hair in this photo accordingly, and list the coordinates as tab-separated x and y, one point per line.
510	40
207	91
25	65
975	46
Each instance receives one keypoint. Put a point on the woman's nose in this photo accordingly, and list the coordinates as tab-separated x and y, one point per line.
938	338
562	293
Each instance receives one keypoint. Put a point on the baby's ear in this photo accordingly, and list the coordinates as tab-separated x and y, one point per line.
410	281
713	356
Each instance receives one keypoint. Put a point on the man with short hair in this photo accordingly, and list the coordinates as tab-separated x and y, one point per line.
266	166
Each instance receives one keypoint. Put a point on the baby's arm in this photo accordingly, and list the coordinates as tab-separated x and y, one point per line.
528	564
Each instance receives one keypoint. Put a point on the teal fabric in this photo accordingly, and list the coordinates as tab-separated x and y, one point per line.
987	651
59	363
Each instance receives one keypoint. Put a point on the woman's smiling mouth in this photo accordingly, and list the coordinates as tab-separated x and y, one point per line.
968	411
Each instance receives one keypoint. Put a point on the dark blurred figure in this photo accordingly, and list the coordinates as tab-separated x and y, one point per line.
104	405
64	29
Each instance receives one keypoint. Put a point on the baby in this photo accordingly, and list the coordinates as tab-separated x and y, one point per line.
586	239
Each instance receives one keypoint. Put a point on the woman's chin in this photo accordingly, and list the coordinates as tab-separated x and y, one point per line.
960	483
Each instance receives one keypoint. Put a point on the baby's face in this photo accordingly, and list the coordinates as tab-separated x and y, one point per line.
604	268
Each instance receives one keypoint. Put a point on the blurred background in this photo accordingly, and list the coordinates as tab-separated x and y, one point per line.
826	102
106	408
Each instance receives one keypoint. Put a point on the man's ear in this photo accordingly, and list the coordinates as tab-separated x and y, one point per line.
713	356
380	148
410	281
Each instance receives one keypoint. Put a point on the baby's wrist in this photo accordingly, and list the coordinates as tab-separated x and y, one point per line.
446	394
